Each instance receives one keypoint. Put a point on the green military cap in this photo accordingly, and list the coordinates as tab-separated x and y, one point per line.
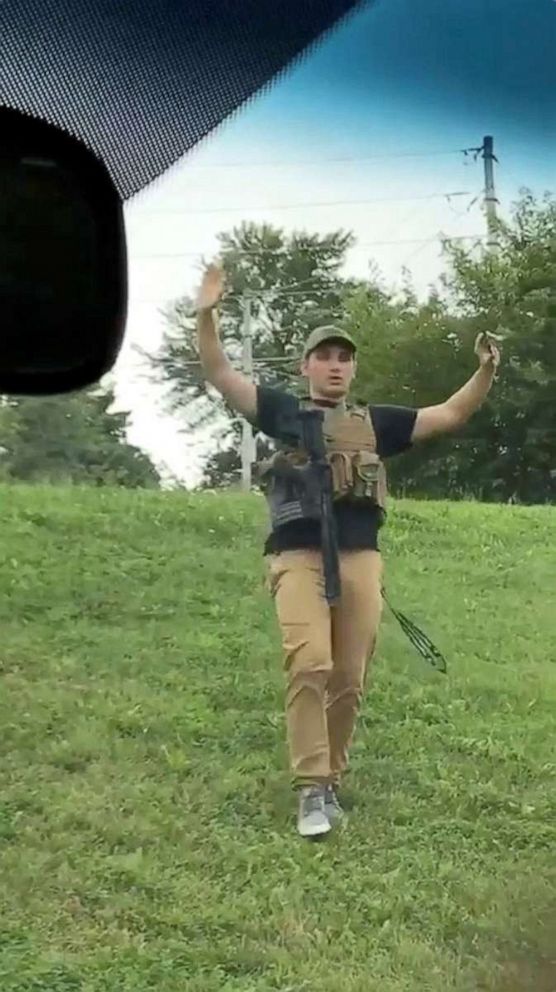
327	333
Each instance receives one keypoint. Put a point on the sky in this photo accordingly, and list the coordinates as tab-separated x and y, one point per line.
365	133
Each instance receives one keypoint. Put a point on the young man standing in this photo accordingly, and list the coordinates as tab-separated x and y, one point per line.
327	648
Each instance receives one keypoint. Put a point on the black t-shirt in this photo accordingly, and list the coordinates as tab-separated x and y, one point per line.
357	525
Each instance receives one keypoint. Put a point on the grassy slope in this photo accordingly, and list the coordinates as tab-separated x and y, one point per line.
146	833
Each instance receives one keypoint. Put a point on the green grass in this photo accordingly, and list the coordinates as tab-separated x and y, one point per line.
147	839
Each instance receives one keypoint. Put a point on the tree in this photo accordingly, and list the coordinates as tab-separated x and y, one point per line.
294	284
513	293
71	438
409	351
223	467
419	353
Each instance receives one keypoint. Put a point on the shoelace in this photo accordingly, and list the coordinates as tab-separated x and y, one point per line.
331	798
313	802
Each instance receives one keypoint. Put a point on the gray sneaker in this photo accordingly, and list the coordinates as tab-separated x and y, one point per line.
312	820
332	808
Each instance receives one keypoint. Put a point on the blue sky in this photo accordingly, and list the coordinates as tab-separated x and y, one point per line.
364	133
401	74
471	62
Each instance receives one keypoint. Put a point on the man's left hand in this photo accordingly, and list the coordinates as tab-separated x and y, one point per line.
487	352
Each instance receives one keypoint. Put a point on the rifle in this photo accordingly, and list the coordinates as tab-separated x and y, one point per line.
306	432
320	474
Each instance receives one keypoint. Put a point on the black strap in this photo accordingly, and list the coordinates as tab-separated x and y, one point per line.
420	641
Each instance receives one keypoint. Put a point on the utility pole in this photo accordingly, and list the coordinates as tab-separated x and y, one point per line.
247	440
490	195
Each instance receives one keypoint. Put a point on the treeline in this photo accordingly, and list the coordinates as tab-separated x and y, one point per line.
413	352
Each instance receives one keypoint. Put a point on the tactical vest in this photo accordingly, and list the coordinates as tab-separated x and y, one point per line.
358	473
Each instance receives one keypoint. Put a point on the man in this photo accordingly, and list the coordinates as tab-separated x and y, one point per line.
327	647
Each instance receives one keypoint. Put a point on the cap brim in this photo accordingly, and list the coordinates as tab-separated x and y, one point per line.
333	337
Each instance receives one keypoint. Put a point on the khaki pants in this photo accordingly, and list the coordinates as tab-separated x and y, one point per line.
326	653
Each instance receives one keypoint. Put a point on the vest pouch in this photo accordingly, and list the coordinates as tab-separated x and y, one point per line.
366	472
342	473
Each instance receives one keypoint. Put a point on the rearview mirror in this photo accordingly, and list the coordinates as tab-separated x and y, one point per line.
63	264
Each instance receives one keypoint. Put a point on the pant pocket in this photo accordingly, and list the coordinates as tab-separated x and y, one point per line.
274	570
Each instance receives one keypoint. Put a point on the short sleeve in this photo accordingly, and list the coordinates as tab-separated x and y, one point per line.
275	410
393	427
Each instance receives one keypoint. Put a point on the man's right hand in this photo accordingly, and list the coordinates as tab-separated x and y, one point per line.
211	288
238	391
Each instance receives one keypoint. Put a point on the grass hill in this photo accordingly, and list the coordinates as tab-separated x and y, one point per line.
147	839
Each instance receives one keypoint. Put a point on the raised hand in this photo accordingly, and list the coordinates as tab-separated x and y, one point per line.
487	352
211	288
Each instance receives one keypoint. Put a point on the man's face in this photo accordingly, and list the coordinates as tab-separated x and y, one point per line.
330	369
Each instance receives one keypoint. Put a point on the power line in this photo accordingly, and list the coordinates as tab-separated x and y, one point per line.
312	248
276	360
340	159
305	203
264	293
256	362
420	248
261	293
399	224
294	285
430	241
